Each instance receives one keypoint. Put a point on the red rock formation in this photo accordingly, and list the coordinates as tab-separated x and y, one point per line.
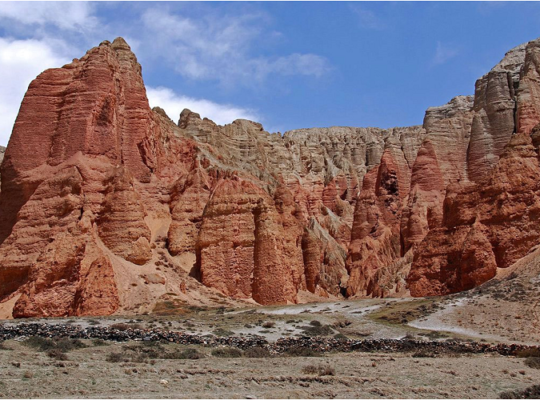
107	205
464	141
490	224
226	239
375	234
71	167
71	277
486	226
240	247
290	218
54	207
272	273
189	198
424	206
311	251
2	151
121	223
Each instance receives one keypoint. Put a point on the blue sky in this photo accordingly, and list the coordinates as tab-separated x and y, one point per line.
286	65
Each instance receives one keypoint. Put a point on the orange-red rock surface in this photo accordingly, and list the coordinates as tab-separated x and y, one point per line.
486	226
2	151
99	192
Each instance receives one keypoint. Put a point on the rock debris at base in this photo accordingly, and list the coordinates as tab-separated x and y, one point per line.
282	345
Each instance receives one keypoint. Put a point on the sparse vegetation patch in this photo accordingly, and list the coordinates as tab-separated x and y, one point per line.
227	352
321	370
532	392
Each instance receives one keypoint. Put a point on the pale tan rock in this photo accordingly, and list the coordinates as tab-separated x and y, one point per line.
494	108
528	91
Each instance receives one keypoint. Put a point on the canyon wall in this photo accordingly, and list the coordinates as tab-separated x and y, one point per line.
2	151
107	205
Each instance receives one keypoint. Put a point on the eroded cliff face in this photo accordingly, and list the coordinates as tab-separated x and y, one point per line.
485	227
107	205
2	151
412	239
489	222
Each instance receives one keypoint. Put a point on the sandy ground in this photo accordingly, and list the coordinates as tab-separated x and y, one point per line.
26	372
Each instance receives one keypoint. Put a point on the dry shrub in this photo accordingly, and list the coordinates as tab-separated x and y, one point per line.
187	354
115	357
310	369
57	354
100	342
317	329
532	392
28	375
257	352
340	336
66	344
327	371
39	343
222	332
532	352
227	352
533	362
120	326
321	370
63	345
424	353
301	352
342	323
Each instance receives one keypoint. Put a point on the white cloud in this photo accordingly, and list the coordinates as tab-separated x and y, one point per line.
173	104
221	48
443	53
212	47
367	18
64	15
20	62
300	64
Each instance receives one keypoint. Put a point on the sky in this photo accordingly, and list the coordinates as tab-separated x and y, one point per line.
286	65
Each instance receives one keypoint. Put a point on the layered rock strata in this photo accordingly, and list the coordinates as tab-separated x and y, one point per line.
107	205
2	151
255	216
490	222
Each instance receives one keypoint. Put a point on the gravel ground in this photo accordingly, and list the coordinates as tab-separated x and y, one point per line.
28	373
147	369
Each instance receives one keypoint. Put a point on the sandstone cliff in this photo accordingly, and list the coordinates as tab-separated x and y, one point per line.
2	151
489	223
109	206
